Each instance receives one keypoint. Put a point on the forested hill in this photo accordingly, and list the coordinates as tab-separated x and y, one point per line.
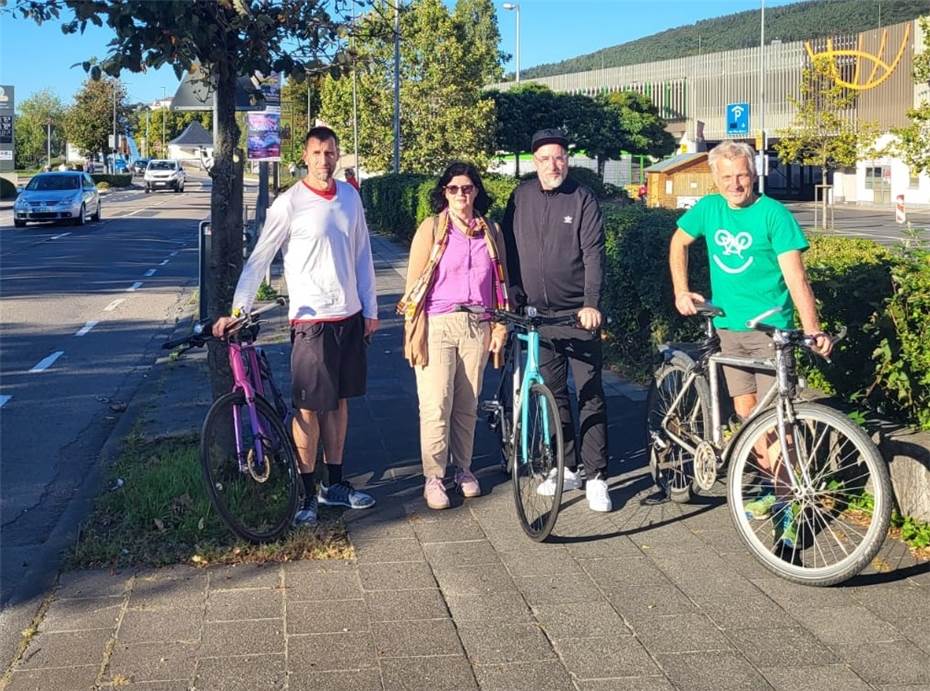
797	22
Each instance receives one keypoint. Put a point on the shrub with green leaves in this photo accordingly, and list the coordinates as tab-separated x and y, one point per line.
902	357
638	296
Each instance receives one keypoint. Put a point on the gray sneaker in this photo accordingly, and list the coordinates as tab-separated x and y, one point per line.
307	513
343	494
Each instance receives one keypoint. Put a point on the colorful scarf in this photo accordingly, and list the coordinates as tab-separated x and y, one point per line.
411	304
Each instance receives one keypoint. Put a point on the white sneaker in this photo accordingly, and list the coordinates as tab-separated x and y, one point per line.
547	486
598	496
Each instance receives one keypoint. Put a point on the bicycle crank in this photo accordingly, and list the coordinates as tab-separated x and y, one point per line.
705	466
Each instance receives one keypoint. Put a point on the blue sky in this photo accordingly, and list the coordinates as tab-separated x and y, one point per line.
36	57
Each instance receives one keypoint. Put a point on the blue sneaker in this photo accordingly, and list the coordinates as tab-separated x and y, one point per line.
786	524
343	494
307	513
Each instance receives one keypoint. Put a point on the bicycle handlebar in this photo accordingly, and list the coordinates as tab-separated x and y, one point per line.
202	331
531	318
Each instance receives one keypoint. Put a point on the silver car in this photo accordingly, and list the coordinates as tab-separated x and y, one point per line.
66	196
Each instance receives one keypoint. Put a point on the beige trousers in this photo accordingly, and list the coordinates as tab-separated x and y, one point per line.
448	388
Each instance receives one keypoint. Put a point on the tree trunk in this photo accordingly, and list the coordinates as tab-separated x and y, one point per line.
516	164
225	262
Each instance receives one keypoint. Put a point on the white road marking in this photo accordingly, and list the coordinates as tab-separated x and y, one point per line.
113	305
60	236
84	329
4	400
173	254
164	262
47	362
150	272
134	287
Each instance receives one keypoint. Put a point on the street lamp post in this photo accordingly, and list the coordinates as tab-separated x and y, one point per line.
163	109
515	6
113	164
48	142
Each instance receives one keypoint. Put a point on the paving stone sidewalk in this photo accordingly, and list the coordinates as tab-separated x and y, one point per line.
651	596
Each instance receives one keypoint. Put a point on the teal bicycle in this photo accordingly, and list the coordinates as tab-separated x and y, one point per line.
525	418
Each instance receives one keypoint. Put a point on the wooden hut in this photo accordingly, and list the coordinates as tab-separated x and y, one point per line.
678	182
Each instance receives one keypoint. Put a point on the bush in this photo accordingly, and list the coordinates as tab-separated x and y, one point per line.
113	180
397	204
902	372
7	189
637	296
103	186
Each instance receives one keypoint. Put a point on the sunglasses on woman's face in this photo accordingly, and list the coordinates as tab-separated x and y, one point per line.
454	189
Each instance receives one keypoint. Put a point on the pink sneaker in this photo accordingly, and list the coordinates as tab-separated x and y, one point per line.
468	483
435	493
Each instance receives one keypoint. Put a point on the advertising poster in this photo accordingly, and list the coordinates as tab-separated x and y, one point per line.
264	141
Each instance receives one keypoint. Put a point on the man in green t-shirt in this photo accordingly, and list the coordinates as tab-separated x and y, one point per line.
754	246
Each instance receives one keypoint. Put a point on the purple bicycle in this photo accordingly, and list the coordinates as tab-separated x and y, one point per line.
247	453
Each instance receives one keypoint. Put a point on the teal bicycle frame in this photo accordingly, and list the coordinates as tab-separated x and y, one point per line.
531	375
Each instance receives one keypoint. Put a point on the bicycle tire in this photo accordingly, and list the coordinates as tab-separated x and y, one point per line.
538	513
256	511
672	469
843	513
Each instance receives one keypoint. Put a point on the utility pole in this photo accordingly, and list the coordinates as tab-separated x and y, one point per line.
148	141
113	164
396	167
48	142
762	158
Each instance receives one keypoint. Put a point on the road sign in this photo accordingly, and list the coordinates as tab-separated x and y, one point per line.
737	116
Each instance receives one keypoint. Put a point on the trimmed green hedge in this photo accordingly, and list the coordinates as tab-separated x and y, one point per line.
113	180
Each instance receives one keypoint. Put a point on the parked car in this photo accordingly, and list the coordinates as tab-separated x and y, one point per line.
138	166
120	167
164	173
63	196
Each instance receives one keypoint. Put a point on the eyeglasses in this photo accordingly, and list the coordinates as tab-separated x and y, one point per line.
544	160
454	189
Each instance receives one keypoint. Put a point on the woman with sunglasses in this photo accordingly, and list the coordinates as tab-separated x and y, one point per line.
456	258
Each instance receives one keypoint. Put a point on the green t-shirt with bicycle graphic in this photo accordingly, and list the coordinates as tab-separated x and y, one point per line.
743	247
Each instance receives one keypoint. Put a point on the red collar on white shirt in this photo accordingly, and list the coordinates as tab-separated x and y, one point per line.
328	194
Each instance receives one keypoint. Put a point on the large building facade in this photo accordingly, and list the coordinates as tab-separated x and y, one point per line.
692	94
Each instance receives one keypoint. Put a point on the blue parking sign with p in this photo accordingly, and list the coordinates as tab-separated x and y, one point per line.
737	118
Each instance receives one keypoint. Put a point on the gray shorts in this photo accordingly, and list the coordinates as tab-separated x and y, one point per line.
755	344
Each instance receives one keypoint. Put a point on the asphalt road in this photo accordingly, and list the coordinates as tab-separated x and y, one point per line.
872	222
84	309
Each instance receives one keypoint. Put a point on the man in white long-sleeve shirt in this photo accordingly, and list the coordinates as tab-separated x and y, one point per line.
319	226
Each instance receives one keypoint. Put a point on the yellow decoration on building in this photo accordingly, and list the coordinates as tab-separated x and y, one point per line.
877	61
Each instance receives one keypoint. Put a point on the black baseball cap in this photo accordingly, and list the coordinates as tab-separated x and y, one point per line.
552	135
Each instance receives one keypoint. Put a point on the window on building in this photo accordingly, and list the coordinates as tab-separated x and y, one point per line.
872	175
914	179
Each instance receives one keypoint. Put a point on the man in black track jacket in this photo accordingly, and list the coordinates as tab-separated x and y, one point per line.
555	257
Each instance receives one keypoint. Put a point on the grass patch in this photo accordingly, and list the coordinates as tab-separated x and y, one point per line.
266	292
155	512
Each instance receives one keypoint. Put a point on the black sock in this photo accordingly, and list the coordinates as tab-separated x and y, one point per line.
333	474
309	484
